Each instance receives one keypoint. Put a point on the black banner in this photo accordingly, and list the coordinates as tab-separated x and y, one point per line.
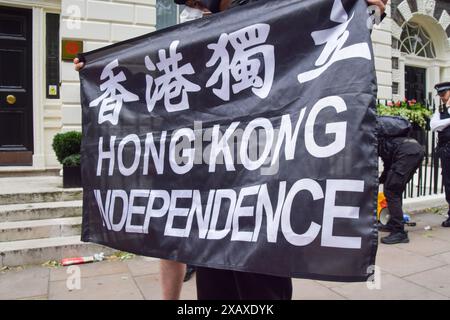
244	140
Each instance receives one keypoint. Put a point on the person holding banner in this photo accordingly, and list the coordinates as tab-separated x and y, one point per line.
217	284
440	123
401	156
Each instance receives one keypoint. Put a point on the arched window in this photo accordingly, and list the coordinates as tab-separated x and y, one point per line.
416	41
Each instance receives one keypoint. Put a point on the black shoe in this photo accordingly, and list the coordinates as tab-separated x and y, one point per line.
396	237
446	223
385	228
189	272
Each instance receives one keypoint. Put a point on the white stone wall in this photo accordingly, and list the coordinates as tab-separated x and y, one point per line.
382	46
98	24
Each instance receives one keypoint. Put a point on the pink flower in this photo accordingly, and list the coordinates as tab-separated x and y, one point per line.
397	104
390	104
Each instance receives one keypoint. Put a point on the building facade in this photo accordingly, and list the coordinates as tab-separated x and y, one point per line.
40	92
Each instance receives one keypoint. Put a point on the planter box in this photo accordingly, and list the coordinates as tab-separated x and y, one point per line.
72	177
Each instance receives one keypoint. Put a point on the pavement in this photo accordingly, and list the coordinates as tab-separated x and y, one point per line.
417	270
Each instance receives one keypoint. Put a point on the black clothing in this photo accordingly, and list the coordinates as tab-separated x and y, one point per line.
442	87
216	284
190	270
446	223
443	151
396	237
401	157
444	135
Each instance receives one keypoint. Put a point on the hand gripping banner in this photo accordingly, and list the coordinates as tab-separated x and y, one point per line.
244	140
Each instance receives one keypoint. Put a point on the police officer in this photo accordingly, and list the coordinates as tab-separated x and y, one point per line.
440	122
401	156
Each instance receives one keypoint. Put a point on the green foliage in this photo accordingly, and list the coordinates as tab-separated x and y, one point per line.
52	264
120	255
67	144
73	160
414	111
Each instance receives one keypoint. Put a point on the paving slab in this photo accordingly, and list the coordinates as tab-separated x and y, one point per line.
312	290
426	219
424	245
444	257
402	263
141	266
437	232
150	288
437	279
120	286
25	283
391	288
90	270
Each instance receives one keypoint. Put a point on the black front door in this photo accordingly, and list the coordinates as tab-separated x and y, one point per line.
415	85
16	102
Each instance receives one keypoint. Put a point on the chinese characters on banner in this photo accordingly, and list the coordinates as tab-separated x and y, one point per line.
244	141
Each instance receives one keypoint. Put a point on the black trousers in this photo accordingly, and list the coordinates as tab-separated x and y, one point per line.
215	284
444	155
397	178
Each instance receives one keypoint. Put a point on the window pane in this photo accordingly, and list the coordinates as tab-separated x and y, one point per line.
394	63
166	13
395	86
415	40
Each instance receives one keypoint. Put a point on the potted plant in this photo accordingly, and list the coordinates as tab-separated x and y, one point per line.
417	113
67	147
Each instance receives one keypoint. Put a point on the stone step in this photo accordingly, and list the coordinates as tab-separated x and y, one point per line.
19	171
40	211
38	251
38	229
41	196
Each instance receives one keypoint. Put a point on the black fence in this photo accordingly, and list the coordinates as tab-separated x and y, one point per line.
427	180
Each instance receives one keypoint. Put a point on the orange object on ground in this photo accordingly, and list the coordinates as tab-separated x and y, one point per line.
82	260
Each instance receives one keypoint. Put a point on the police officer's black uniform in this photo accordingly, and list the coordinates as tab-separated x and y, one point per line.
443	146
401	156
443	151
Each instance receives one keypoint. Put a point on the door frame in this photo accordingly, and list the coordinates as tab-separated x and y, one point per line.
432	67
46	112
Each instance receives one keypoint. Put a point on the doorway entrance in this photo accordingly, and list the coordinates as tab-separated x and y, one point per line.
415	84
16	98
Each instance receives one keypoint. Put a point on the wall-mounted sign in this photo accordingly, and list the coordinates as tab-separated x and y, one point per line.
70	48
52	90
